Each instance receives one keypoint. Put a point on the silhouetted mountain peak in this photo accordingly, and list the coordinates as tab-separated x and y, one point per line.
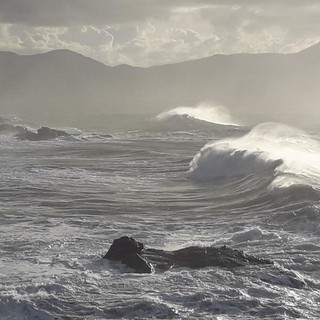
62	52
71	56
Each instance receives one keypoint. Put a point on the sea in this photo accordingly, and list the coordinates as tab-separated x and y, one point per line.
189	176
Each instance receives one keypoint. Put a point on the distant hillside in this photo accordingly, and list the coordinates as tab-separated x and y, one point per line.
66	84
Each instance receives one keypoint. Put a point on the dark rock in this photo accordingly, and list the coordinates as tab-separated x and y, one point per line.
25	134
122	247
127	250
132	253
137	263
44	133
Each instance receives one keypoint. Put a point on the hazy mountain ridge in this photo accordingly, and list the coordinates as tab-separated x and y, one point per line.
64	83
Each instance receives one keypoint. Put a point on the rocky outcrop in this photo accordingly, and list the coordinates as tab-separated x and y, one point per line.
44	133
22	133
133	254
128	251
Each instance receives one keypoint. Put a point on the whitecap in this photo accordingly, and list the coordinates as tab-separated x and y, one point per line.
204	111
292	152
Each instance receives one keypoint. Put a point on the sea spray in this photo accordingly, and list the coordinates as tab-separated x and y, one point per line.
204	111
267	146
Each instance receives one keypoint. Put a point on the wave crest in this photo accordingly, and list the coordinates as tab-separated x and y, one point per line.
293	152
203	112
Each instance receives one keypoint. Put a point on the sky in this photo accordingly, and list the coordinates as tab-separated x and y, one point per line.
156	32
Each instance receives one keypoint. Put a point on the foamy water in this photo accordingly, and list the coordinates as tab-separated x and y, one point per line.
64	201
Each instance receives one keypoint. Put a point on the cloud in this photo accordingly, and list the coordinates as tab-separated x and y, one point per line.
102	12
148	32
88	36
7	39
80	12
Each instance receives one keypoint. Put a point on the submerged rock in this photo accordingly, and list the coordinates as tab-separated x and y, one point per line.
133	254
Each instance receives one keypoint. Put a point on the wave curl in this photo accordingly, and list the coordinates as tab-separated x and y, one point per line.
292	154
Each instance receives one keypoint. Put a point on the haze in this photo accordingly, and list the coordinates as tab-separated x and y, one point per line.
250	56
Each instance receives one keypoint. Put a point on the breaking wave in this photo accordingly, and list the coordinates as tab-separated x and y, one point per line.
204	112
291	154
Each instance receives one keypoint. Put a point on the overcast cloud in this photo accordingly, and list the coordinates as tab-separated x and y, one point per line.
149	32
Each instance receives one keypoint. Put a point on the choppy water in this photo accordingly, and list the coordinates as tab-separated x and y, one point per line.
177	182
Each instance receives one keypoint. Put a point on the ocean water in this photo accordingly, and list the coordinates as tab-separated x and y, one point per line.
187	177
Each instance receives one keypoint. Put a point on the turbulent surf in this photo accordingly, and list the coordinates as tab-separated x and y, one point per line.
191	177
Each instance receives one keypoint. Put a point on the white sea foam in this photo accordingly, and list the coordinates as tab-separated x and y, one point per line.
204	111
253	234
294	153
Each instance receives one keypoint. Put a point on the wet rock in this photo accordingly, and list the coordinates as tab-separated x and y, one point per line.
133	254
127	250
44	133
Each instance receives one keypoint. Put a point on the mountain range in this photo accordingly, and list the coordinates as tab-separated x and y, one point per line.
62	84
